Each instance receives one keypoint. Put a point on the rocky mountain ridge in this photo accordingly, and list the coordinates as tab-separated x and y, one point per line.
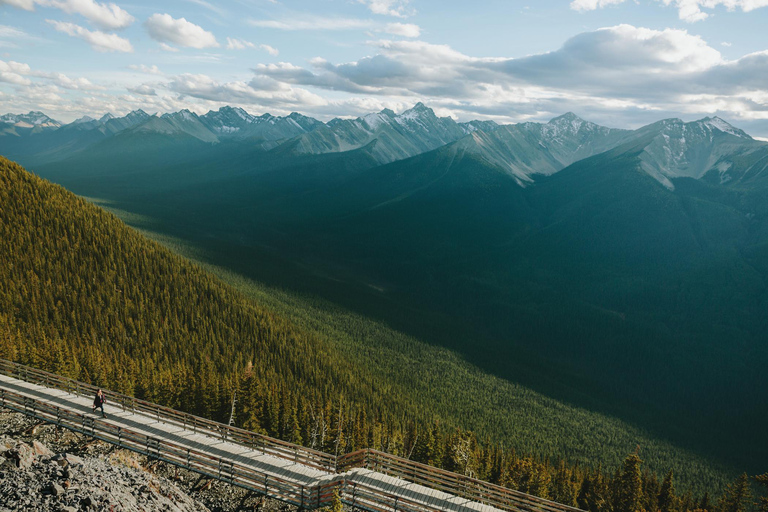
670	148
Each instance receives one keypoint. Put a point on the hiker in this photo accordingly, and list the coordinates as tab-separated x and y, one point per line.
98	402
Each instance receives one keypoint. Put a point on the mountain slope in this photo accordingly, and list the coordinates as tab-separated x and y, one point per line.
675	149
528	149
535	284
415	131
82	294
119	310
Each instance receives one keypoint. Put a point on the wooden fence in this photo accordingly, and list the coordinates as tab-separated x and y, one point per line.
230	470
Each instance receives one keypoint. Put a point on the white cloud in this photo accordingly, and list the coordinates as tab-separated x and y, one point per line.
14	72
402	29
144	90
269	49
149	70
688	10
209	6
12	32
99	41
398	8
105	16
262	91
591	5
75	84
238	44
165	29
607	72
168	48
691	10
314	23
27	5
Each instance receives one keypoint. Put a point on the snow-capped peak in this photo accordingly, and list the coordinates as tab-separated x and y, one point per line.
568	121
375	120
33	118
137	114
718	124
418	111
84	119
106	117
184	114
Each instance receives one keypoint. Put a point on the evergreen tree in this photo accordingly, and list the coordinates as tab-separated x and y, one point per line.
667	498
763	503
737	497
629	488
561	489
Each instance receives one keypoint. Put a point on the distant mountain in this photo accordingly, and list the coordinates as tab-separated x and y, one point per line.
183	121
30	120
236	123
114	125
26	124
528	149
396	136
708	149
229	121
674	149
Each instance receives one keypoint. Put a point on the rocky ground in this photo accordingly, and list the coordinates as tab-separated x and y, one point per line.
44	468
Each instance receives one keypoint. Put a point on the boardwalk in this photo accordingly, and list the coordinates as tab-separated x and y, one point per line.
306	478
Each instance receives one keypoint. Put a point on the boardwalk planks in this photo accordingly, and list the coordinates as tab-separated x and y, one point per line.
366	479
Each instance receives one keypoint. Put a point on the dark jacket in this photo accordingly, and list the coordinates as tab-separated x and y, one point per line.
99	400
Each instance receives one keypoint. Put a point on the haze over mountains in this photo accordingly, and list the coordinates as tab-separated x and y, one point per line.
620	270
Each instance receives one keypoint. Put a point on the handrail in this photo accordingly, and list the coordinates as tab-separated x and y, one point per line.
447	481
366	497
203	463
268	445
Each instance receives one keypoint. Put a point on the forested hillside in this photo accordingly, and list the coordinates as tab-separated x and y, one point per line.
85	296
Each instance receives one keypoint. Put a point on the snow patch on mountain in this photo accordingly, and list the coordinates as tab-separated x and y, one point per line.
30	120
721	125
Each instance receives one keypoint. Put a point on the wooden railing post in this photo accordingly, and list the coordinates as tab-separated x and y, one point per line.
459	485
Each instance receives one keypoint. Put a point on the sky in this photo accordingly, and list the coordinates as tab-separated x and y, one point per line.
620	63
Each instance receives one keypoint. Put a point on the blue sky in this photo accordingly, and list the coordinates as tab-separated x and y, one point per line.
621	63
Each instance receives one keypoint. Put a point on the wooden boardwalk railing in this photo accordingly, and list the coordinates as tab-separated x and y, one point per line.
282	449
453	483
339	473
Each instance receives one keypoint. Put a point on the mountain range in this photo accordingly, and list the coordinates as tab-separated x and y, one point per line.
624	271
674	148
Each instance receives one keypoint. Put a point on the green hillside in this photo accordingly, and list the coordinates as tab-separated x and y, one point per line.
83	295
596	286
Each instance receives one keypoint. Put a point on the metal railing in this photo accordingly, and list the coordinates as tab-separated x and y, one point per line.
228	470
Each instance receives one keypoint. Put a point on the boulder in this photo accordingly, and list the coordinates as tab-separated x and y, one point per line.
22	455
73	459
40	449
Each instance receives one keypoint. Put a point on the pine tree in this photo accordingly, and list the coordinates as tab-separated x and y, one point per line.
705	503
667	498
560	489
763	503
629	489
737	496
651	490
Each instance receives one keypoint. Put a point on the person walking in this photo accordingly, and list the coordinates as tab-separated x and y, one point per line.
98	402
